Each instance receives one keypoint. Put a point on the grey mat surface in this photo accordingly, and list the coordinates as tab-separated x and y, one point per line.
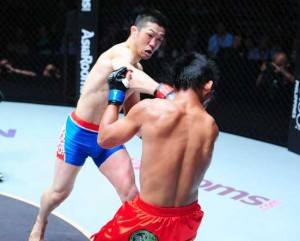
17	218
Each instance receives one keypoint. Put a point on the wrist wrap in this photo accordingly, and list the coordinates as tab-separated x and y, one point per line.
116	97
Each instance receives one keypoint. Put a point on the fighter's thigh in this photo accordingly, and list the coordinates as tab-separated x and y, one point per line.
118	167
64	175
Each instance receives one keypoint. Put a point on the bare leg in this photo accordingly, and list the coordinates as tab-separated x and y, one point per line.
119	171
64	178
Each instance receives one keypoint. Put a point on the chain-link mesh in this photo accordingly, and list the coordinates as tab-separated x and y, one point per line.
255	54
37	51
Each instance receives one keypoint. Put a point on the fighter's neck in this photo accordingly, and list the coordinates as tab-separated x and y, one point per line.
135	54
189	95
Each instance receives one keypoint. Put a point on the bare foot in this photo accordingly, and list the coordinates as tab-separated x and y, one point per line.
38	231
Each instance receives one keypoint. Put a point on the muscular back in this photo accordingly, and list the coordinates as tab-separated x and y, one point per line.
177	150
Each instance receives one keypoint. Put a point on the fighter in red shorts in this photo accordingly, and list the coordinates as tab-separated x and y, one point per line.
138	220
178	139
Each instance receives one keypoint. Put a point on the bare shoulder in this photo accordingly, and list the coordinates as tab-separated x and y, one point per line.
139	66
150	106
116	51
211	125
150	103
119	47
121	55
120	50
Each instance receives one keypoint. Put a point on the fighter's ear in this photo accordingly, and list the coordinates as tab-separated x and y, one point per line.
133	30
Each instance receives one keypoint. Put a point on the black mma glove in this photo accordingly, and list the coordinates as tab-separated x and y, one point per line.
164	91
118	85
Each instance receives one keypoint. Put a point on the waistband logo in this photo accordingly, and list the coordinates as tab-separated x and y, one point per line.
142	235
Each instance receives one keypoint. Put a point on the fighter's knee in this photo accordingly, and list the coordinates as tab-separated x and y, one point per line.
58	196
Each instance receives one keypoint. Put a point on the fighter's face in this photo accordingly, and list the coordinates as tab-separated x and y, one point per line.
149	39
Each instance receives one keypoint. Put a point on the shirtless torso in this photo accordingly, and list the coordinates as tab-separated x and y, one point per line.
178	139
145	38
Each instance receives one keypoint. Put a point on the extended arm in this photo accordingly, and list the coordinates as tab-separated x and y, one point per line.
140	80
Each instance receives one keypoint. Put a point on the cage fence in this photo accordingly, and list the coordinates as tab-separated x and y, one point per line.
252	42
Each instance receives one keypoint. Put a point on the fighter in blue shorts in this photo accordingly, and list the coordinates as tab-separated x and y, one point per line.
79	137
78	140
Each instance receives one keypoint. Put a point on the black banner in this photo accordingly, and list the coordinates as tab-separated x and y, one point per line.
87	50
294	133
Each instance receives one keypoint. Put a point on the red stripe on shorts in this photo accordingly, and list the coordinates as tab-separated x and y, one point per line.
84	124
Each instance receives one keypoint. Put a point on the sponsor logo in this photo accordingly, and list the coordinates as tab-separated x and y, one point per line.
296	106
142	235
238	195
8	134
268	205
226	191
86	6
86	58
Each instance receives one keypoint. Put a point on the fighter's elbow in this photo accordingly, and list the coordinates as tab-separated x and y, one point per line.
103	142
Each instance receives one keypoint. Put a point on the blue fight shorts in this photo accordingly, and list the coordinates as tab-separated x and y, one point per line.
78	140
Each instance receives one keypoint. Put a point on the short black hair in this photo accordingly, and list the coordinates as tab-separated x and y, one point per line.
192	71
153	16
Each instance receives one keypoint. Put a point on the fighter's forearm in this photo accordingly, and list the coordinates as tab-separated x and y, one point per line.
110	115
145	84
